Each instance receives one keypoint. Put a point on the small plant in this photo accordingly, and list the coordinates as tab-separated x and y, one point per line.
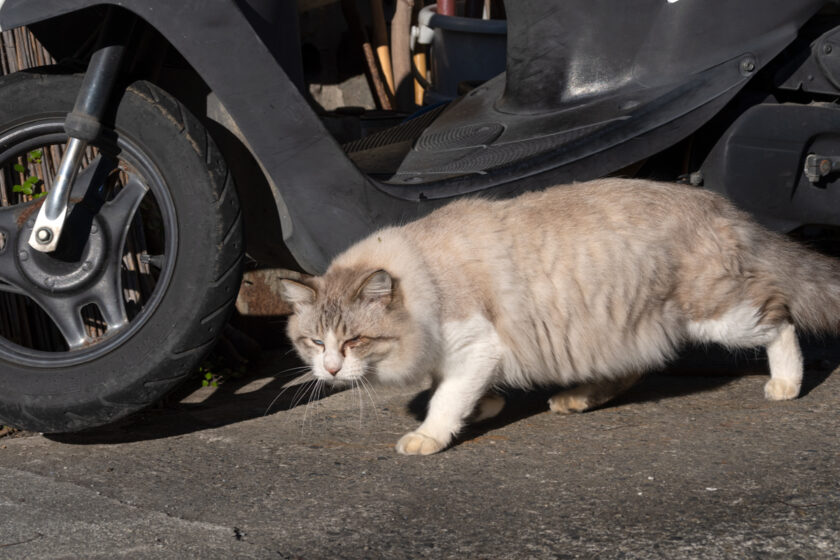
209	379
27	186
216	370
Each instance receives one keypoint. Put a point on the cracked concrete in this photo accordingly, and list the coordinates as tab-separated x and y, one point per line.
691	463
45	517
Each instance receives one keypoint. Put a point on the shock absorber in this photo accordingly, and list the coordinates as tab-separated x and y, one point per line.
83	125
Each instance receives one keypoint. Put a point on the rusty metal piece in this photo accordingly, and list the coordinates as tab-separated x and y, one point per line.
28	211
259	295
818	166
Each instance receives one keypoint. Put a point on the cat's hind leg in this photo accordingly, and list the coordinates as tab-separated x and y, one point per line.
489	406
785	360
590	395
743	327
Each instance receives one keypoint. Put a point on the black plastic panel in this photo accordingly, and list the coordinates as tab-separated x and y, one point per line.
561	51
759	164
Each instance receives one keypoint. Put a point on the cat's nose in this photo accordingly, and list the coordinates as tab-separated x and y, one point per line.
332	364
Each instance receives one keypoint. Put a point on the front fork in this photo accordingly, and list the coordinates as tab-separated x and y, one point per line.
83	125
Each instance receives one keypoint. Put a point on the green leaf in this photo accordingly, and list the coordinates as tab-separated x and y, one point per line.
31	181
214	384
208	376
40	195
204	383
17	188
35	156
19	168
27	189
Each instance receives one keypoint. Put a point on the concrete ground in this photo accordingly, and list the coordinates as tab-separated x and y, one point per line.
690	464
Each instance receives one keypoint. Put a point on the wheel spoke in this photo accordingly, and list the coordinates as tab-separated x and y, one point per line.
66	309
107	294
119	212
117	215
8	269
7	288
9	218
66	313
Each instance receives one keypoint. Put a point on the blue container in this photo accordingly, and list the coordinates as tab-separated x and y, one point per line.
462	50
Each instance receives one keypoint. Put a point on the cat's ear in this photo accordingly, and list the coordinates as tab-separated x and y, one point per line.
296	293
377	286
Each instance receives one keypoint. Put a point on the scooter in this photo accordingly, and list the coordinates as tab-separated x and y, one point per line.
180	126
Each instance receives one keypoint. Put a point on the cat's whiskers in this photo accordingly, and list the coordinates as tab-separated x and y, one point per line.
314	396
289	351
304	389
293	369
366	385
288	385
355	388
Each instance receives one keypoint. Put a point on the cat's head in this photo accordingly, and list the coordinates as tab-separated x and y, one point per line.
350	323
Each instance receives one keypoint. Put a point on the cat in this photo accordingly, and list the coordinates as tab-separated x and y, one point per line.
586	285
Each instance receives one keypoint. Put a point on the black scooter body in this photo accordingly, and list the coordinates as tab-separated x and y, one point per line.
591	87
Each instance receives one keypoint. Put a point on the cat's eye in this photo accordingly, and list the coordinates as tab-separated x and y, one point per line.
351	342
317	342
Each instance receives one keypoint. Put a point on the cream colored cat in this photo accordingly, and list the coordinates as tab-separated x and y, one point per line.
586	286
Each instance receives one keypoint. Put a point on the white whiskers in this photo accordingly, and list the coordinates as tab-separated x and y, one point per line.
306	371
311	389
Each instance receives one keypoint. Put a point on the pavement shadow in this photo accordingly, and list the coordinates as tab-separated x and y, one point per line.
697	370
236	400
188	410
520	405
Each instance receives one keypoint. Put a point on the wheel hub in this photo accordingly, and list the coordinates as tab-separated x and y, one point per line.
78	259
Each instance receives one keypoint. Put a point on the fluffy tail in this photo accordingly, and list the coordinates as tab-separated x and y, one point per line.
810	284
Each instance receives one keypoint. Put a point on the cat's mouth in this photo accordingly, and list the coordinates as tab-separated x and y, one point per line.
341	377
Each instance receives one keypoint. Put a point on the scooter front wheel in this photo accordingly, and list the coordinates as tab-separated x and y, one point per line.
146	271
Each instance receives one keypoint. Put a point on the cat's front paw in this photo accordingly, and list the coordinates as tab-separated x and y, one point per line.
780	390
415	443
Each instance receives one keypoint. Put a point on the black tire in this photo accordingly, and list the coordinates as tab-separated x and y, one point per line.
68	391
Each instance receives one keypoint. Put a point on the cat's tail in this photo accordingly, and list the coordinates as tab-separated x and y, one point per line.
810	286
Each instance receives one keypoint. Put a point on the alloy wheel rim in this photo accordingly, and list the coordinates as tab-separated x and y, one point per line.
144	175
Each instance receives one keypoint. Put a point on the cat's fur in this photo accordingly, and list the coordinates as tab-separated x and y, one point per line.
587	285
